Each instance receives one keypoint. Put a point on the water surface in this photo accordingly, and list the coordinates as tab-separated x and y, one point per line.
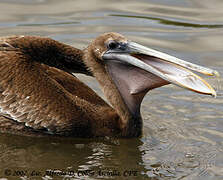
183	131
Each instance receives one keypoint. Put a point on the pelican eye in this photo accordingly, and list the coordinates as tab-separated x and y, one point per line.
112	45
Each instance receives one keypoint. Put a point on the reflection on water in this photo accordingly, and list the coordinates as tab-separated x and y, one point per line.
183	131
174	23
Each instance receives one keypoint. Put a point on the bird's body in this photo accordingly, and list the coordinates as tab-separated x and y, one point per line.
40	96
36	96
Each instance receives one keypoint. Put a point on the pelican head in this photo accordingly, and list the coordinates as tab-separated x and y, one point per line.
136	69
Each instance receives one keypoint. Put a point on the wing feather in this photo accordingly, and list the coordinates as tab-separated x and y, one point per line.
27	105
40	97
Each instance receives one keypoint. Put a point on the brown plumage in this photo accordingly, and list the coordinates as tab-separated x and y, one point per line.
40	96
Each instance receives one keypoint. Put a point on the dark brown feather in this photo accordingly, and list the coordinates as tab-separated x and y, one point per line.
47	100
47	51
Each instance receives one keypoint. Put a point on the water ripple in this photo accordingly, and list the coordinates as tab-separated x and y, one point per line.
171	22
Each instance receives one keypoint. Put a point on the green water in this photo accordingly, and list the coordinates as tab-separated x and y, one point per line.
183	131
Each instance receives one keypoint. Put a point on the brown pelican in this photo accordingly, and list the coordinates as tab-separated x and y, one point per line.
39	95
